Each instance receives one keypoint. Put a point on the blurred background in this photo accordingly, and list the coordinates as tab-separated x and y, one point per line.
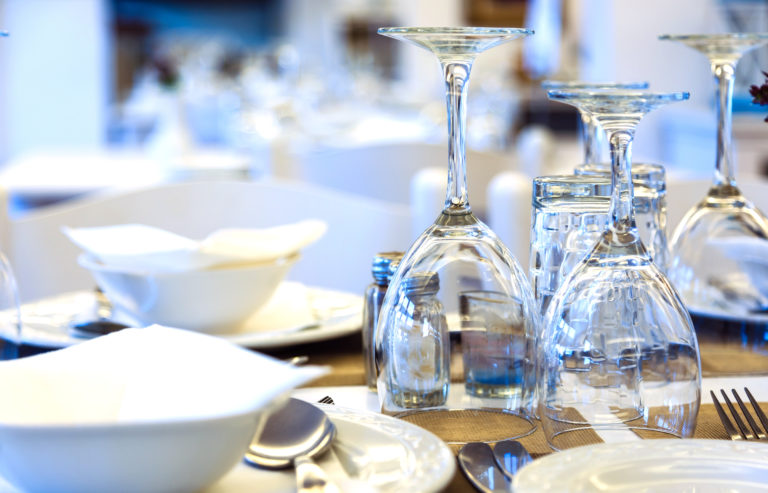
97	94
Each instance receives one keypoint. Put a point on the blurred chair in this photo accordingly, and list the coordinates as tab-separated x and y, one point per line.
45	260
509	213
385	171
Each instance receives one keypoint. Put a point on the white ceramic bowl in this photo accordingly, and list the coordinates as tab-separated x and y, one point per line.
135	411
212	301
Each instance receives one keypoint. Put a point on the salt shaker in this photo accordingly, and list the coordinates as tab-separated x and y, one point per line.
417	369
383	268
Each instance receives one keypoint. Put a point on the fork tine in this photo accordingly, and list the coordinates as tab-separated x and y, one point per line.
758	410
724	418
758	433
744	431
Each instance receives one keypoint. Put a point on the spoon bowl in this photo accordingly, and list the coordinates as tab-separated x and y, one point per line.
291	436
298	429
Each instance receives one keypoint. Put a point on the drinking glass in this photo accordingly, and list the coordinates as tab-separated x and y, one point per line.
711	281
570	212
619	357
420	335
492	339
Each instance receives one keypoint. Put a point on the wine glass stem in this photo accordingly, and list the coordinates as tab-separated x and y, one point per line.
456	86
724	171
622	210
590	132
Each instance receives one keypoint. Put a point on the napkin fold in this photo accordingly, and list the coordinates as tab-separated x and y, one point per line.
149	374
142	248
752	256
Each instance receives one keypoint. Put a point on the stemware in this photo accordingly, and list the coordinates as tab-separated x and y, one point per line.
10	309
710	281
591	134
422	331
619	355
649	179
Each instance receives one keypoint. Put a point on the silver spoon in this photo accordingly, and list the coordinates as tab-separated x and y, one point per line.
100	324
293	435
510	455
477	463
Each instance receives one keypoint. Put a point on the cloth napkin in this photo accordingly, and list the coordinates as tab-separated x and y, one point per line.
149	374
137	247
751	254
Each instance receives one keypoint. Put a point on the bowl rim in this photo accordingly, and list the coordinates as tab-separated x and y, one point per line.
90	262
164	422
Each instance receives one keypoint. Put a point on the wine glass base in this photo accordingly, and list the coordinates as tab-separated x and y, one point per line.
460	426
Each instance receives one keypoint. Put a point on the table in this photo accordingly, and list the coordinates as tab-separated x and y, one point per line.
728	361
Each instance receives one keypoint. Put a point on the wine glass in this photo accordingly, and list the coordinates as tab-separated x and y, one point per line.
10	312
591	133
429	329
649	179
704	266
619	357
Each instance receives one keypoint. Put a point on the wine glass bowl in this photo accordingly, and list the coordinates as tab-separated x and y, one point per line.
437	351
619	356
708	280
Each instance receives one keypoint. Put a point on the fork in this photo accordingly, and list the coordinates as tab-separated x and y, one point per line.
743	433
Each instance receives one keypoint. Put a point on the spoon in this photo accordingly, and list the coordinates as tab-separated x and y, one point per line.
477	463
510	455
292	435
101	323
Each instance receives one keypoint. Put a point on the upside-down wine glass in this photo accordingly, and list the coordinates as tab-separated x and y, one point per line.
457	330
708	265
649	179
592	136
619	357
10	312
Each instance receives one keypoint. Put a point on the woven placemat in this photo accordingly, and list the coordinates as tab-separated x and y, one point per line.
731	359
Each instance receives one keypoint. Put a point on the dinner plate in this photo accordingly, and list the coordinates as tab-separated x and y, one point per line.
651	465
296	314
371	452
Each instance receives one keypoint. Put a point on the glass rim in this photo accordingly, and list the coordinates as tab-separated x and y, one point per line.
713	36
572	180
617	95
580	84
450	31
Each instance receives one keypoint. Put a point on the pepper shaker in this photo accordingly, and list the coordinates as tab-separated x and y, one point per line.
374	296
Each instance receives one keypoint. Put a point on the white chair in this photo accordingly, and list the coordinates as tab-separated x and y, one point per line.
509	213
45	260
385	171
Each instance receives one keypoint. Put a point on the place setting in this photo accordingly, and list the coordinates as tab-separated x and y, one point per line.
231	284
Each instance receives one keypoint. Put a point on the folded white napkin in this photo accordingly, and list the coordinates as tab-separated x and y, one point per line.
149	374
139	247
752	256
742	248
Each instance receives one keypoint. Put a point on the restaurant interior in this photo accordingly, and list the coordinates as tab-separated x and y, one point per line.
238	229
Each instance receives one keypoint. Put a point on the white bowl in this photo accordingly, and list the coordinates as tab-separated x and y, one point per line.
213	300
135	411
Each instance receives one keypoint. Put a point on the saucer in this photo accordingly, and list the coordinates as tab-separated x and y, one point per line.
296	314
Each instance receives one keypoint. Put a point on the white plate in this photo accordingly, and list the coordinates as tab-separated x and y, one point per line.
371	452
651	465
282	322
746	317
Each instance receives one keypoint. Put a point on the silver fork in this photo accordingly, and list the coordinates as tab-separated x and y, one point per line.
743	433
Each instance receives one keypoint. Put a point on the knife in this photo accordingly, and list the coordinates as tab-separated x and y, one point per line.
477	462
510	455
